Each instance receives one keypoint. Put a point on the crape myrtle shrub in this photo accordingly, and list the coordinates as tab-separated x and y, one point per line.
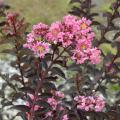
62	71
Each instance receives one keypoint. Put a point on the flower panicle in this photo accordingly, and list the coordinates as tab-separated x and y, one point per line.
70	31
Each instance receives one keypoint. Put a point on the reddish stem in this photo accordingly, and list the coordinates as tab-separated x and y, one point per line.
18	58
42	77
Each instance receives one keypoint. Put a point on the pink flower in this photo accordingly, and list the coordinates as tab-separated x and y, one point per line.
40	48
80	102
30	37
84	25
69	19
70	24
85	21
83	44
100	104
61	108
79	98
40	29
94	55
26	45
90	103
36	107
53	103
79	56
30	41
90	36
65	117
59	94
54	30
65	38
31	96
84	52
48	114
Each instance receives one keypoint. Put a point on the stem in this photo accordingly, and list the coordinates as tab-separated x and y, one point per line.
19	66
77	83
42	77
77	115
52	62
18	58
112	62
11	85
82	115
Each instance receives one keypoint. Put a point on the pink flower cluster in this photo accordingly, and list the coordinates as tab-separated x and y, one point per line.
70	31
90	103
36	42
35	107
54	102
65	117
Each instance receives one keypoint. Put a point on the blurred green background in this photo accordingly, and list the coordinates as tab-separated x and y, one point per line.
40	10
49	10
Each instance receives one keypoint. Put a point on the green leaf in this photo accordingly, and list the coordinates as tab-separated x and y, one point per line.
115	87
49	85
41	111
23	115
51	78
106	8
46	95
42	103
107	48
58	71
22	108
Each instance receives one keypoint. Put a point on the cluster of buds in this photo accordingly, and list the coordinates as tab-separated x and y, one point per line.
14	25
